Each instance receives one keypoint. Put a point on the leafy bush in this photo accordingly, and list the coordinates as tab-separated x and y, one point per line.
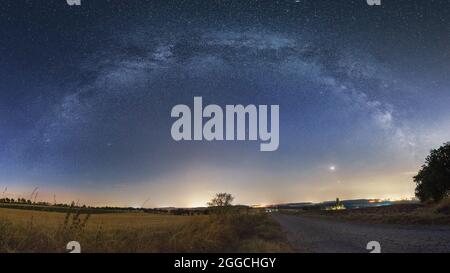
433	180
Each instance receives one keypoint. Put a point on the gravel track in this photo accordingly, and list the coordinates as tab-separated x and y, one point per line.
308	234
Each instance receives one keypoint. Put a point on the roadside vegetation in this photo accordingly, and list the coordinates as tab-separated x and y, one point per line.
401	214
225	229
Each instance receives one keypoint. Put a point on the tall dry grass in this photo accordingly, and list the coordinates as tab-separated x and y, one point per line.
444	206
138	232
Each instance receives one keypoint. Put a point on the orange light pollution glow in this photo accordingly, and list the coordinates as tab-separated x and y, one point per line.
196	186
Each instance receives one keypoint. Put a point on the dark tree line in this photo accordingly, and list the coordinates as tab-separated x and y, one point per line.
16	201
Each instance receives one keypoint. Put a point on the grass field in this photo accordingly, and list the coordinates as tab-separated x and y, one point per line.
39	231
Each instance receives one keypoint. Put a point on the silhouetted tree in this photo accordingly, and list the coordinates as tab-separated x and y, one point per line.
433	180
221	202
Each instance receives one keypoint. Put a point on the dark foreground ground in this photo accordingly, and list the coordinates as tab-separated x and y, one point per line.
309	234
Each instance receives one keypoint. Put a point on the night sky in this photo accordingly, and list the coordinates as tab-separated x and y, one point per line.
86	94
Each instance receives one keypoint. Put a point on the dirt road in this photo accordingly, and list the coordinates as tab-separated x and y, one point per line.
324	236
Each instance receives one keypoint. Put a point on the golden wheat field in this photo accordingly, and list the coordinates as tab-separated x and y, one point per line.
111	221
38	231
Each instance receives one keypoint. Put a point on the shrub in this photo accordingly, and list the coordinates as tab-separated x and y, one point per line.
433	180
